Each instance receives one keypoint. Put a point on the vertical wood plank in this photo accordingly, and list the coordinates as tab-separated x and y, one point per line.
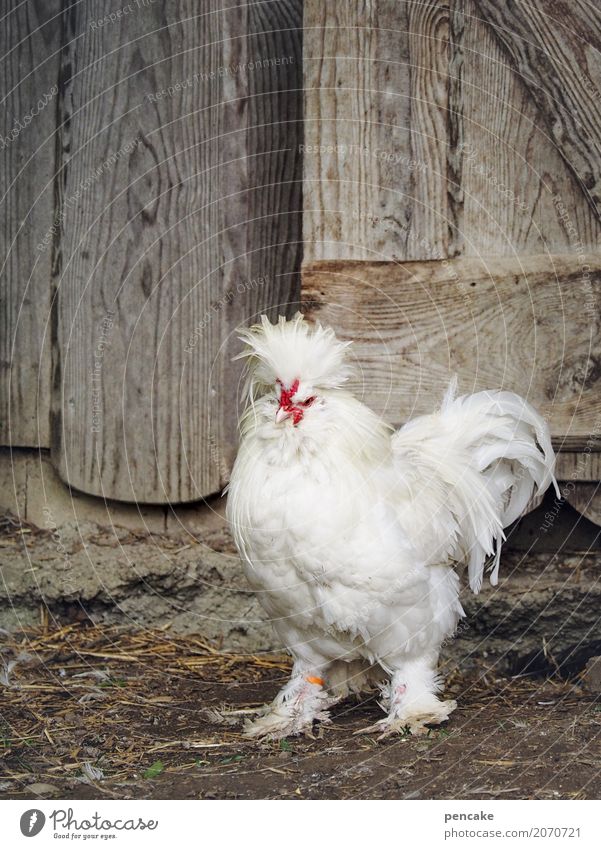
429	31
555	50
29	43
455	197
155	174
394	90
265	278
375	105
512	168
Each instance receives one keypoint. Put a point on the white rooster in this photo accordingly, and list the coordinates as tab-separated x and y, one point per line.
349	531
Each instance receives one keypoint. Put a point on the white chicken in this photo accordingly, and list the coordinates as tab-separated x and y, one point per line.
349	531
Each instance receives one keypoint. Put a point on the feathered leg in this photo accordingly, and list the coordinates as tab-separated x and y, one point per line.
303	700
411	701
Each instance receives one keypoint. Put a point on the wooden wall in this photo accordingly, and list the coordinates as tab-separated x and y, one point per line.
423	117
452	215
151	207
153	202
30	45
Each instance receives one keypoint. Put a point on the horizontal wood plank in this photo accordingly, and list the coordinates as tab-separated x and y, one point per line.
583	465
528	325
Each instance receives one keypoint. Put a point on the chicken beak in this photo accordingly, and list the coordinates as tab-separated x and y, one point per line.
281	415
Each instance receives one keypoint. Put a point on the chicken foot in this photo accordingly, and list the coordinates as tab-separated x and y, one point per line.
411	701
297	706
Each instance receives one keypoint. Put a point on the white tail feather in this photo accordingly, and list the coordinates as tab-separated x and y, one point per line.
486	455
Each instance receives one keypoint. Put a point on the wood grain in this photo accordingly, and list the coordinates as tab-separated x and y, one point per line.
270	190
512	170
511	173
29	36
555	49
153	266
523	325
455	131
375	134
441	129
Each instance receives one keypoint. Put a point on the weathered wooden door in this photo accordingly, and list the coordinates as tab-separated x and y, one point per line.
152	202
151	197
452	205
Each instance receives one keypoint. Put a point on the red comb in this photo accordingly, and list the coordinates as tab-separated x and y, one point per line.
287	395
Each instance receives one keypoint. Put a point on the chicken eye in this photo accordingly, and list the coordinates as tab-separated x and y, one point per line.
308	401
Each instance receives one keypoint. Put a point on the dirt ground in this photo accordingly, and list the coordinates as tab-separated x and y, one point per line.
91	713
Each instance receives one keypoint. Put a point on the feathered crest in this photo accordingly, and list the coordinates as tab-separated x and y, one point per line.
289	350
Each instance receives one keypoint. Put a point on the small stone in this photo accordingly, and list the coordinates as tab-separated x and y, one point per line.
592	675
42	789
